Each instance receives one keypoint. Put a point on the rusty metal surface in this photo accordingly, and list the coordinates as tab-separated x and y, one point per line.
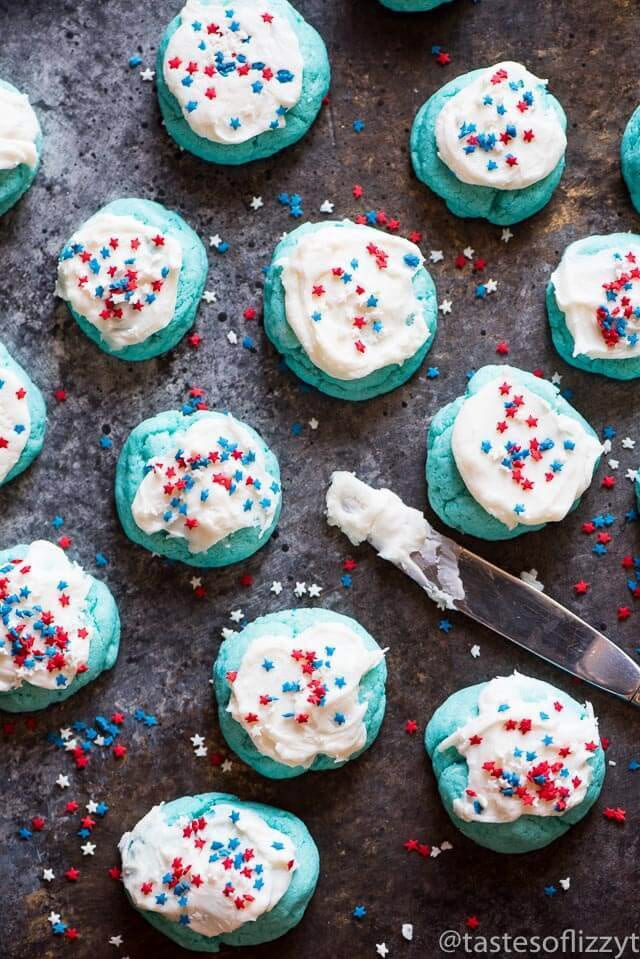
103	139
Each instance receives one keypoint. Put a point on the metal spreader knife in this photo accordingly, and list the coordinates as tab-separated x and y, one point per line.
457	579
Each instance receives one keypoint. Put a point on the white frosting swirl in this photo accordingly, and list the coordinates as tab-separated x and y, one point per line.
298	696
349	298
519	458
212	481
19	130
500	130
121	275
524	757
212	874
15	419
234	69
45	633
599	294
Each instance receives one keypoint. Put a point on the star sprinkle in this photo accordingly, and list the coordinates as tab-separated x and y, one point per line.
256	203
445	307
62	781
436	256
327	206
147	74
209	296
276	587
506	235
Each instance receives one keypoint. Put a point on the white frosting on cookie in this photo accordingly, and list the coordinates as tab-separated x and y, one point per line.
298	696
235	69
500	130
210	482
521	460
599	294
212	874
45	632
15	419
525	757
19	130
349	298
121	275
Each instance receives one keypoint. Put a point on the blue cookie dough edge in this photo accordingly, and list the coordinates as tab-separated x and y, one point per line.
502	207
102	612
626	369
140	446
191	282
14	183
528	832
316	77
630	157
37	413
287	343
292	622
413	6
286	914
448	495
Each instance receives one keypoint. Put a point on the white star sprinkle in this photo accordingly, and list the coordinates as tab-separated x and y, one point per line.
201	751
381	949
215	241
606	446
531	579
66	733
445	846
556	379
53	918
407	931
327	207
226	633
314	590
48	875
631	475
276	587
491	285
232	336
147	74
195	581
313	423
236	615
475	651
436	256
99	740
88	849
506	235
445	307
197	739
62	781
91	806
565	883
300	589
227	766
628	443
468	252
256	202
210	296
116	941
614	464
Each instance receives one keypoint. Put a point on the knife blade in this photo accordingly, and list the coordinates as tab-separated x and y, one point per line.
460	580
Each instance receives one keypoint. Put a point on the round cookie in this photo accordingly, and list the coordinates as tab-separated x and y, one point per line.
20	145
630	157
491	143
23	418
211	870
413	6
352	310
300	690
518	762
593	305
483	454
230	114
201	488
132	277
59	630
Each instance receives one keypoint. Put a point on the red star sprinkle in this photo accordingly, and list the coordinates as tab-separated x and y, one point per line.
623	612
608	482
357	191
119	751
502	348
616	814
411	727
72	874
472	922
60	395
580	588
64	542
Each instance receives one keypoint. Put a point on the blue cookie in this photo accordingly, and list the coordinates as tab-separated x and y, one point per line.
528	832
37	415
191	280
15	182
292	622
155	437
448	495
315	84
502	207
630	157
624	369
286	913
413	6
102	614
287	343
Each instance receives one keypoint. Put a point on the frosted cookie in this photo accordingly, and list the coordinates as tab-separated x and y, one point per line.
352	310
413	6
593	305
20	145
201	488
132	277
518	762
59	627
491	143
240	82
509	456
23	418
299	690
210	870
630	157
